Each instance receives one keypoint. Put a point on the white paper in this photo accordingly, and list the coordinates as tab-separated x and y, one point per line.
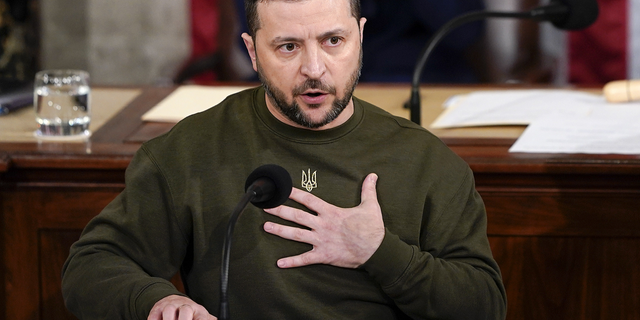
188	100
613	129
514	107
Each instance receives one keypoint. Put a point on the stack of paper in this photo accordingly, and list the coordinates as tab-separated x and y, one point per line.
513	107
559	121
187	100
607	129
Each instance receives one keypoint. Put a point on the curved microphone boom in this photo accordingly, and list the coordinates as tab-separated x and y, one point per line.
268	186
563	14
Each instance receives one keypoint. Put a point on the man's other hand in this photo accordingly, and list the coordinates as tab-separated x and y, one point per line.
340	237
178	308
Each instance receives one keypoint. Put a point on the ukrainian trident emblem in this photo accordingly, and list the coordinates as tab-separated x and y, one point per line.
309	180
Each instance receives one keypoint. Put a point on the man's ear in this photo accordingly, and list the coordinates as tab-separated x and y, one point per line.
251	49
363	20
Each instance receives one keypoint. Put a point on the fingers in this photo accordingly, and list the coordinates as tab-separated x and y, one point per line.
294	215
304	259
344	237
318	205
290	233
369	189
178	308
309	200
185	312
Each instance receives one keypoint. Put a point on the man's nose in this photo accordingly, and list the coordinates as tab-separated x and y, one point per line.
313	63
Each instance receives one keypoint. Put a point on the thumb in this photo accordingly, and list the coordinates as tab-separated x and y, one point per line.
369	188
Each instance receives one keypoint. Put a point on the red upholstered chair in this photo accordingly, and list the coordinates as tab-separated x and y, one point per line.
213	28
599	54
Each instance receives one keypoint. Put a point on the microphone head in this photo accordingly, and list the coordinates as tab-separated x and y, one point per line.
581	14
274	185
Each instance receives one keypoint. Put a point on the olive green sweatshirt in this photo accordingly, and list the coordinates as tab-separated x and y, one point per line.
181	188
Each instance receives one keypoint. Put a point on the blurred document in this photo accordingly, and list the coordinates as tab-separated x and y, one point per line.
187	100
613	129
514	107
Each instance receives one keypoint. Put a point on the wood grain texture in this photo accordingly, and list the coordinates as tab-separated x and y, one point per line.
569	277
54	245
39	225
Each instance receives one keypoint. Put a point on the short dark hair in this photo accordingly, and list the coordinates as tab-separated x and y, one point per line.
253	21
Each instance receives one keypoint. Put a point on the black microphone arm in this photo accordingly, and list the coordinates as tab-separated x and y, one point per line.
564	14
268	186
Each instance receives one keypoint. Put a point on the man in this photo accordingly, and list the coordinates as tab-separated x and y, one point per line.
388	225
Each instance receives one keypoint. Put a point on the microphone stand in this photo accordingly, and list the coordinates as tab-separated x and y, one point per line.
226	251
547	12
270	187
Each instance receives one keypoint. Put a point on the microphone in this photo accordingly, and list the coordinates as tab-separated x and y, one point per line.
563	14
268	186
622	91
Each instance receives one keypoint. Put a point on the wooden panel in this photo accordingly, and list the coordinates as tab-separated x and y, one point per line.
31	216
570	277
45	221
4	163
20	258
53	250
577	213
3	268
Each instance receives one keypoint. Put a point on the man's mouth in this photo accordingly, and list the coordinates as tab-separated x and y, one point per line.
313	94
313	97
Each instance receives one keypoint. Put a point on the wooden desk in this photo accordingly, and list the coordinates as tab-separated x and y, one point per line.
565	229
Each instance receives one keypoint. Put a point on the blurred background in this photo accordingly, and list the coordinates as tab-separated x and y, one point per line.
162	42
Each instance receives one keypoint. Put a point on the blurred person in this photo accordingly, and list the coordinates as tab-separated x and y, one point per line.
397	32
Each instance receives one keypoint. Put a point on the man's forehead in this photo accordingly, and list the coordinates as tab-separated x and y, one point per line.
286	15
313	6
300	1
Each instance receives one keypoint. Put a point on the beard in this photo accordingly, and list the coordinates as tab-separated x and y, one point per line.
293	111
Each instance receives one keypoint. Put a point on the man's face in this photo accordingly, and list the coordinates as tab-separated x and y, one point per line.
308	56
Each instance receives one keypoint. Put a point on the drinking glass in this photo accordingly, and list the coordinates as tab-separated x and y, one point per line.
62	104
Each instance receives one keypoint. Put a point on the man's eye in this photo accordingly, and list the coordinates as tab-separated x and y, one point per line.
289	47
334	40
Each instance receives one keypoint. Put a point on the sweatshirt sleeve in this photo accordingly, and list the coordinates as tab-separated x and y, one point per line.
121	265
452	275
